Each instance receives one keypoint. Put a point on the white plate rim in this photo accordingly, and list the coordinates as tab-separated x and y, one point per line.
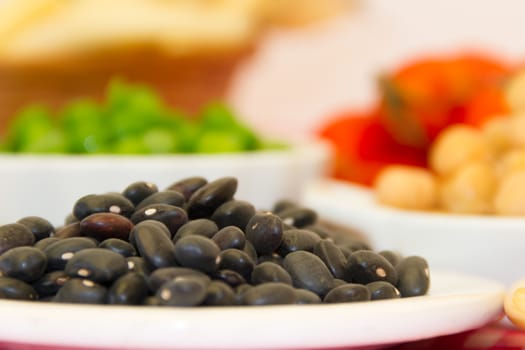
456	303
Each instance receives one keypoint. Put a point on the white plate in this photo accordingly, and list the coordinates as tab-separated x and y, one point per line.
455	303
485	246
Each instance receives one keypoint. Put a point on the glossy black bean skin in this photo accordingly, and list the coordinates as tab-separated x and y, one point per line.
272	293
97	264
103	203
43	243
275	258
102	226
68	231
12	288
50	283
24	263
129	289
233	213
365	266
236	260
209	197
270	272
171	216
188	186
40	227
202	227
154	244
15	235
380	290
283	204
413	276
297	239
332	256
81	291
163	197
60	252
230	277
219	293
354	245
160	276
183	291
136	192
346	293
230	237
138	264
303	296
309	272
119	246
265	232
393	257
197	252
298	217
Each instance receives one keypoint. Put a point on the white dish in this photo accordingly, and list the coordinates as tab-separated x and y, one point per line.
455	303
49	185
485	246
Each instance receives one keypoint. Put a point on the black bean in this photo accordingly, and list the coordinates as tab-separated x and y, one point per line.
297	239
102	226
153	243
382	290
219	293
103	203
173	198
230	277
265	232
230	237
209	197
270	272
129	289
119	246
188	186
298	216
160	276
272	293
393	257
97	264
236	260
365	266
43	243
138	264
40	227
24	263
283	204
15	235
413	276
346	293
60	252
137	191
171	216
50	283
275	258
250	250
309	272
197	252
81	291
201	227
68	231
233	213
12	288
332	256
183	291
304	296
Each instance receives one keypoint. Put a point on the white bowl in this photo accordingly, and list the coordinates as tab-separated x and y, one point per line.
49	185
486	246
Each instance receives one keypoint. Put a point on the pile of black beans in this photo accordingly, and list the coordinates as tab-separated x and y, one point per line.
194	244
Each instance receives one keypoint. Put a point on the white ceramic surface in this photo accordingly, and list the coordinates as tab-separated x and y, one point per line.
49	185
455	303
485	246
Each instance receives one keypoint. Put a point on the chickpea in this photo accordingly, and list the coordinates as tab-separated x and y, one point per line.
469	190
457	145
511	161
517	130
497	135
510	196
406	187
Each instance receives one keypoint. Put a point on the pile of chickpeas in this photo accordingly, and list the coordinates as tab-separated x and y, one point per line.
471	171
